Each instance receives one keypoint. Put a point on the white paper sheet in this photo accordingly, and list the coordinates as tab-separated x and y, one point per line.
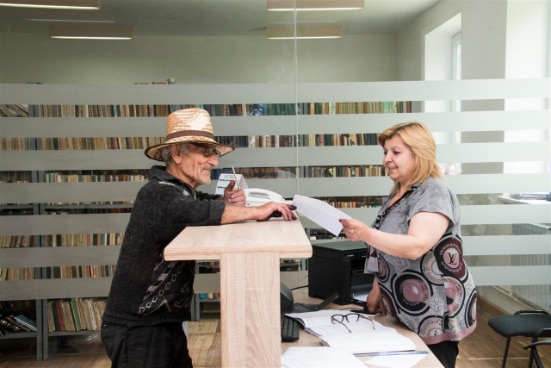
318	357
405	360
321	213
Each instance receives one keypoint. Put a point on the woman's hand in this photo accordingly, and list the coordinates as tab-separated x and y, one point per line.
235	197
354	229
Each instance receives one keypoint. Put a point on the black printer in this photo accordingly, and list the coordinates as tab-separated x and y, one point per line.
338	266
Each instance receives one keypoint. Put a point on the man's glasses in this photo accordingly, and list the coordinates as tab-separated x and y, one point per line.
350	317
208	150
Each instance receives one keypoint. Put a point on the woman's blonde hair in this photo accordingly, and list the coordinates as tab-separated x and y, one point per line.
421	142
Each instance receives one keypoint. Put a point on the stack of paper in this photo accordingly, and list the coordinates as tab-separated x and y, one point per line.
365	343
357	336
318	357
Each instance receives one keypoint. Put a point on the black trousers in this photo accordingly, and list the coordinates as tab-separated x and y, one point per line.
446	352
160	346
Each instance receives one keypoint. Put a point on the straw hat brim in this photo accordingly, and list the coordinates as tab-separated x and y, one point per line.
154	152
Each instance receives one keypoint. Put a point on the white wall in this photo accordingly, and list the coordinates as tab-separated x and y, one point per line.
196	60
528	33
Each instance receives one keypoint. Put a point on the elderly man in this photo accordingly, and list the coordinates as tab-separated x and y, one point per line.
150	297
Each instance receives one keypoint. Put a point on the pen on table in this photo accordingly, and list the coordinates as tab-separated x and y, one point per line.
385	353
235	178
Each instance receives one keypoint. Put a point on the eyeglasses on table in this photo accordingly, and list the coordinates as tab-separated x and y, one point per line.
349	317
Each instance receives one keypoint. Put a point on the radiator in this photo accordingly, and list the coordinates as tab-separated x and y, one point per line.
539	295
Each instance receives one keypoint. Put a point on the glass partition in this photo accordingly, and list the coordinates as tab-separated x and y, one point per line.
303	113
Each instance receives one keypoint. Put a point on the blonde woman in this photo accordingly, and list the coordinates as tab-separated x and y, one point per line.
415	248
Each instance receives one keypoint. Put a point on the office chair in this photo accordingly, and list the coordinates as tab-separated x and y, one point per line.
528	323
534	351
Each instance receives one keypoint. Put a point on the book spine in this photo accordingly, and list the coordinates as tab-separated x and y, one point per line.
26	322
9	325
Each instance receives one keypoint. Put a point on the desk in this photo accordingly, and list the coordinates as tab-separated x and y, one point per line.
249	255
306	339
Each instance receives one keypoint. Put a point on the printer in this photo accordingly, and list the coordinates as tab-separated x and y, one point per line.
337	266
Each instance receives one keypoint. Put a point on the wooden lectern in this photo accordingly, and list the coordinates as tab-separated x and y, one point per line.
249	255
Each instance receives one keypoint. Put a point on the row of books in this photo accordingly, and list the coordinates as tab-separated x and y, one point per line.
14	110
61	208
77	272
252	109
305	171
61	240
96	143
76	314
61	272
26	307
251	141
23	273
16	323
82	208
16	176
209	296
77	240
74	176
302	140
341	171
58	177
18	241
247	172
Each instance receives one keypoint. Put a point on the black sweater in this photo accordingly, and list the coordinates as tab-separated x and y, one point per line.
147	290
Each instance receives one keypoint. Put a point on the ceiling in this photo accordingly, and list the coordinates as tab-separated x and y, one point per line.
213	17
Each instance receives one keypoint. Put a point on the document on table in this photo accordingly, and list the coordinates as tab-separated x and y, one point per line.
398	360
320	212
359	336
361	344
318	357
319	323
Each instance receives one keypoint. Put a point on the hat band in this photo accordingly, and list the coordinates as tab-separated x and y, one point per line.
189	133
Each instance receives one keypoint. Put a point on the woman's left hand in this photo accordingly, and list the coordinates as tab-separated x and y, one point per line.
353	229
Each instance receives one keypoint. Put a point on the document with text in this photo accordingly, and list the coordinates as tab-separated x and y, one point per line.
356	333
320	212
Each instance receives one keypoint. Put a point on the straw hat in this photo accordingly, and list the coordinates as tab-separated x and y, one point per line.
187	126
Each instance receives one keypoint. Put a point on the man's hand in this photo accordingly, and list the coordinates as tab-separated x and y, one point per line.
235	197
275	209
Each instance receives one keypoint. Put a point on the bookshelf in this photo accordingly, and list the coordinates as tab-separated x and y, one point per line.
72	161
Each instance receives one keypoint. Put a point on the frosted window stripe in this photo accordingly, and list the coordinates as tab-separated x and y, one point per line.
59	256
69	192
82	127
150	94
505	244
498	183
506	214
308	156
437	121
313	187
514	275
75	160
494	152
480	215
55	288
460	184
64	224
277	93
282	125
470	89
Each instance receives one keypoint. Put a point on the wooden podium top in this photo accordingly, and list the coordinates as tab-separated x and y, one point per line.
288	238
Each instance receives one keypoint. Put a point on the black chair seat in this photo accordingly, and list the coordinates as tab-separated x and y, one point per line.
528	323
519	325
